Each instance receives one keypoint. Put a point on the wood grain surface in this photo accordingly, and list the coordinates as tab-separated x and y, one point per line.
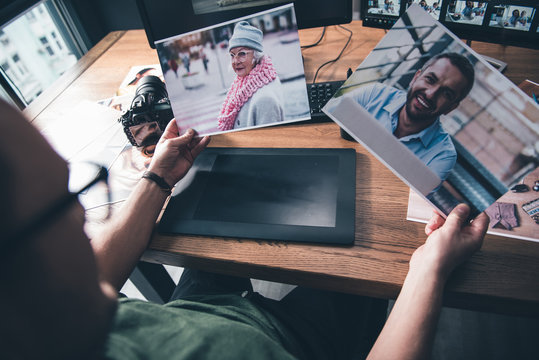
502	277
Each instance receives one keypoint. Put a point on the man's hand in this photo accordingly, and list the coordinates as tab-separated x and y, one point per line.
410	328
450	241
119	247
175	154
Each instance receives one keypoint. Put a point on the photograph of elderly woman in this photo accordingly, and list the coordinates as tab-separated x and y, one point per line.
237	75
437	114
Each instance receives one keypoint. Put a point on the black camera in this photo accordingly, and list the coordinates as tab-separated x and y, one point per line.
149	113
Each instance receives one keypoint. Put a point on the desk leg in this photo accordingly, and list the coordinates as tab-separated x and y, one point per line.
153	281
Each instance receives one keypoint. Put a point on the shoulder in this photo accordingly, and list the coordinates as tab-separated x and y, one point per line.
271	87
444	156
445	149
265	106
377	95
441	138
269	93
448	148
375	90
204	327
370	88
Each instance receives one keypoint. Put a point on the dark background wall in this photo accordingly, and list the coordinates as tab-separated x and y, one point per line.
99	17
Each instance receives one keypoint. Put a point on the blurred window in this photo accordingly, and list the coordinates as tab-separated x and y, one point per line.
36	48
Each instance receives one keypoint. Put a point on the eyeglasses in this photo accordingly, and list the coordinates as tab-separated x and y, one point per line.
87	174
241	55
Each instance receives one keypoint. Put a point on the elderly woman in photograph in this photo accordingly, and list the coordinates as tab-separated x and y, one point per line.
255	95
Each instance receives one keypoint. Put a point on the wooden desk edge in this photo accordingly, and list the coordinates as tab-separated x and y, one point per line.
384	290
285	276
33	110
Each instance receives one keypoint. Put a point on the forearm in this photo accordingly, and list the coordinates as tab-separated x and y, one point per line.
123	241
410	328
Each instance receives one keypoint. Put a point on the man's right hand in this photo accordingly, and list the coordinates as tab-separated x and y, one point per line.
450	241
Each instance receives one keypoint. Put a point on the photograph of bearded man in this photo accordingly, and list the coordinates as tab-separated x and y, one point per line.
413	116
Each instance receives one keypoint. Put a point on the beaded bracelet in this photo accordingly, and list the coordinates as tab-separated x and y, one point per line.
158	180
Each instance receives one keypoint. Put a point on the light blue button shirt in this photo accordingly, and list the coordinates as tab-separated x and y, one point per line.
432	145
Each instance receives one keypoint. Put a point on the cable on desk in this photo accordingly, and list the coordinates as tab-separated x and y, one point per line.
318	41
338	56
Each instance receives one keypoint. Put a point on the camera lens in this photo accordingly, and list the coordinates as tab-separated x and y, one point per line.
152	84
149	114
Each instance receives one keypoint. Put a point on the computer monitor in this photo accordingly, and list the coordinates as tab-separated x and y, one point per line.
507	22
165	18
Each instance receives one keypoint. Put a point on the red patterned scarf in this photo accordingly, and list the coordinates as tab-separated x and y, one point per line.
242	89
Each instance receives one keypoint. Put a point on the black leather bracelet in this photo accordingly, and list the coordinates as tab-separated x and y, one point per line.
158	180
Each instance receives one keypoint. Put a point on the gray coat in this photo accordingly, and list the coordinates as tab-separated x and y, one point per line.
264	107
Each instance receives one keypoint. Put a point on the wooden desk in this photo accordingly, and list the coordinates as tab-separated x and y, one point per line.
502	277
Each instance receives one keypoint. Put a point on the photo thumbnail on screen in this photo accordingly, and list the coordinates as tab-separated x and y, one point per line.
433	7
384	7
512	17
466	12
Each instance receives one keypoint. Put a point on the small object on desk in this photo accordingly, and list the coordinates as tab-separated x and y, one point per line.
498	64
536	185
532	209
530	88
520	188
503	214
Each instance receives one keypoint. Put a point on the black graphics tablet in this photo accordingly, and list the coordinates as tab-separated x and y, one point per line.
305	195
